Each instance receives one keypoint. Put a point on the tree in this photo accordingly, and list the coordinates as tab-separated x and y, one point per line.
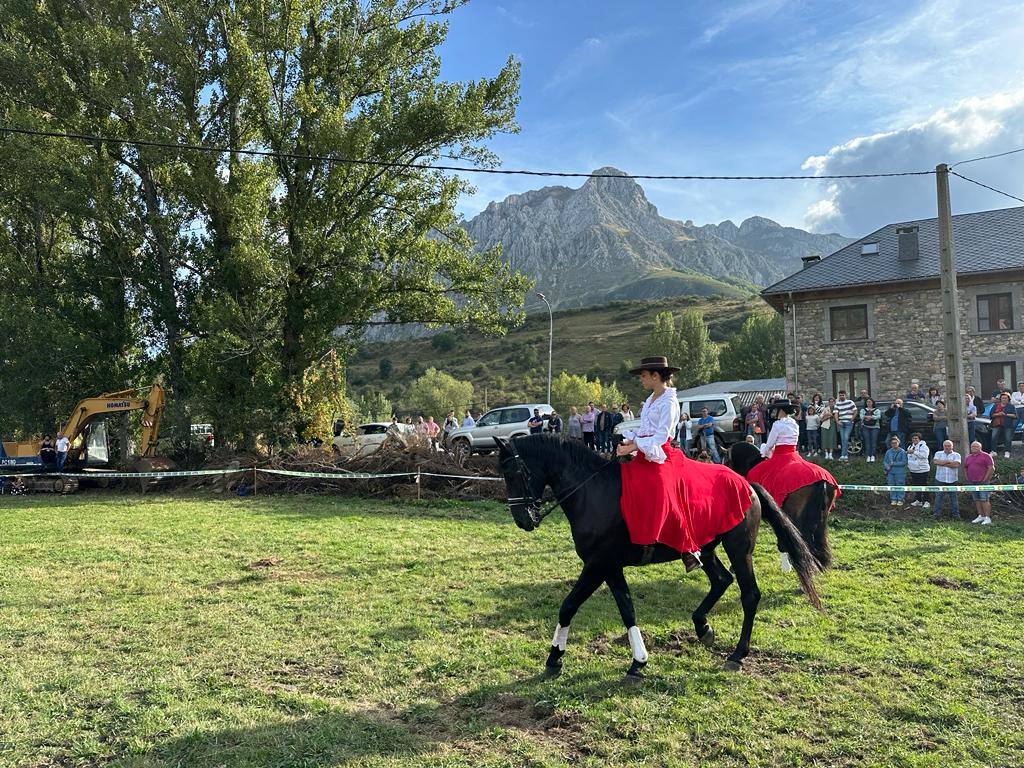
385	367
686	343
757	350
435	393
443	342
245	277
568	389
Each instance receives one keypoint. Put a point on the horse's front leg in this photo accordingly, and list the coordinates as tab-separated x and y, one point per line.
590	579
620	591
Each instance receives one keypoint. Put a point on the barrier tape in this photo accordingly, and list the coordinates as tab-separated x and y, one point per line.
143	475
332	475
461	477
933	488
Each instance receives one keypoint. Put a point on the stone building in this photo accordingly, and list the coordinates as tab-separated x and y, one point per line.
870	315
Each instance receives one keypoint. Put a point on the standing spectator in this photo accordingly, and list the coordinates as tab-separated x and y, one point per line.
846	412
972	395
947	472
627	412
47	451
555	423
897	420
940	422
536	422
614	420
800	417
62	446
1000	388
755	421
814	410
421	426
1004	421
915	393
870	421
827	425
917	464
978	469
431	429
574	424
972	416
895	465
862	397
589	420
450	423
1017	398
933	395
684	434
469	421
706	425
602	434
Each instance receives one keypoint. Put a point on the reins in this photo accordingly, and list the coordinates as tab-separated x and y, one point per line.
548	508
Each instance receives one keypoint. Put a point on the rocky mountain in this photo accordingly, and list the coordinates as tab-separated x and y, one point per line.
605	240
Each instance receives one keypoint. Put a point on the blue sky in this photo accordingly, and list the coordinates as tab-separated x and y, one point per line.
757	87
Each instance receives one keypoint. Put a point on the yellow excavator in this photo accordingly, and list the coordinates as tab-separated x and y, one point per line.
79	428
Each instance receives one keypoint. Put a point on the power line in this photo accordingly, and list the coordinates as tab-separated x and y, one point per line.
986	186
987	157
432	167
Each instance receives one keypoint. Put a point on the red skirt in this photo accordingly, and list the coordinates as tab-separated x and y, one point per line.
786	471
681	503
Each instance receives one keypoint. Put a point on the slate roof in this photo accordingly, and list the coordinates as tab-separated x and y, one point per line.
983	242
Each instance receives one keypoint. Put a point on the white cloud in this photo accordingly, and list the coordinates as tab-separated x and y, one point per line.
589	56
971	127
738	14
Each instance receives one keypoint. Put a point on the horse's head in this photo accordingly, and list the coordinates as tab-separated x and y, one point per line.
525	488
742	457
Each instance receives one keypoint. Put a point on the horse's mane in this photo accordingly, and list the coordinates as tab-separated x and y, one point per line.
553	448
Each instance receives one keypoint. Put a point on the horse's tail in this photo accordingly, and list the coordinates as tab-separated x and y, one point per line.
792	543
814	523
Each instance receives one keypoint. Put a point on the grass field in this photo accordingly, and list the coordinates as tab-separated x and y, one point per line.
313	631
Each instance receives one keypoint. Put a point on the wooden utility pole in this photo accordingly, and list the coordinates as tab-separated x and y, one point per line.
952	355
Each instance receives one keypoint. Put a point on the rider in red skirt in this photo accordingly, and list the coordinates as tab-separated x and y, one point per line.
785	469
666	497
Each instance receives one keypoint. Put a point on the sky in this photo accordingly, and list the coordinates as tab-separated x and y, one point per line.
757	87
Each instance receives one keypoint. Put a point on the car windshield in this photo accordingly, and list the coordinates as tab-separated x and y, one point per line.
489	419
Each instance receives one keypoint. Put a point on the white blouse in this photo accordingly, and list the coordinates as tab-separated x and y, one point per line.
658	420
785	431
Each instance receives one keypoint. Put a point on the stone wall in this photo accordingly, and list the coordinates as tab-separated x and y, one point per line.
905	340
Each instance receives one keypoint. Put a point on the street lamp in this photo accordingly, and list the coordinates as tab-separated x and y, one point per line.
551	338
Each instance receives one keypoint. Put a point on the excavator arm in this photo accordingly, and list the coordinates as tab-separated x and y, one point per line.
152	405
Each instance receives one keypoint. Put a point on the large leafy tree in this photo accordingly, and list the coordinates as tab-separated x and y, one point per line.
757	350
684	339
435	393
250	274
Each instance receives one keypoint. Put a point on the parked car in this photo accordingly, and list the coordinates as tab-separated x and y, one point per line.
505	422
920	421
365	438
725	408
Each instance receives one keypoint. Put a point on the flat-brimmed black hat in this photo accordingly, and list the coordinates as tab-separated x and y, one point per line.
654	364
782	405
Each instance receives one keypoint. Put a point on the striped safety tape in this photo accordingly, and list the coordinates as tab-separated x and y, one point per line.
183	473
933	488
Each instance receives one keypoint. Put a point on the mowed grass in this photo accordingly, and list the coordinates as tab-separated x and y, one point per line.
313	631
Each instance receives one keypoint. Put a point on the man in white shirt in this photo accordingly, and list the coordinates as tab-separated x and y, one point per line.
1017	398
947	472
917	464
63	444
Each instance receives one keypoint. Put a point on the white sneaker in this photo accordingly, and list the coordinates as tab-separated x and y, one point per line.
978	519
926	505
987	521
1006	454
915	503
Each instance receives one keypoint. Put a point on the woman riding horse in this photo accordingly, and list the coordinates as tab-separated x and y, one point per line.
649	510
804	490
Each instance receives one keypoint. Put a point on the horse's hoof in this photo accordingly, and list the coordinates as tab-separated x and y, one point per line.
708	638
552	672
632	678
732	666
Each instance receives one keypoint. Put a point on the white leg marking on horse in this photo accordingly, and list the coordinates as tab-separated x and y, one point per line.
787	566
561	637
636	642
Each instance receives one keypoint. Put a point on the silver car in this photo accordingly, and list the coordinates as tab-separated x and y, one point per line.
506	422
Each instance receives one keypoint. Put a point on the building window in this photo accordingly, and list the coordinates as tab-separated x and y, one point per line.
995	312
851	381
849	323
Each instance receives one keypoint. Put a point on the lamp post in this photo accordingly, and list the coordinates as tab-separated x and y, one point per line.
551	338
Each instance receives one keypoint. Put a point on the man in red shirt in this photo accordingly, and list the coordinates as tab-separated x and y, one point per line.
978	469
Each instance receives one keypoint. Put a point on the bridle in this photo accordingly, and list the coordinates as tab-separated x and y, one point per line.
534	508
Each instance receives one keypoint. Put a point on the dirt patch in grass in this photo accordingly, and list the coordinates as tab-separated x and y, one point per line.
947	583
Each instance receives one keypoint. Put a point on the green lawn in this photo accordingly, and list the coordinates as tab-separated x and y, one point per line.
139	631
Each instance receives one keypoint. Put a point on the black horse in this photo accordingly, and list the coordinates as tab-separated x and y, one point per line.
588	489
807	506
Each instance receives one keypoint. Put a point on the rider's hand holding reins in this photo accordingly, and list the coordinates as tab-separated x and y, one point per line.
625	448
